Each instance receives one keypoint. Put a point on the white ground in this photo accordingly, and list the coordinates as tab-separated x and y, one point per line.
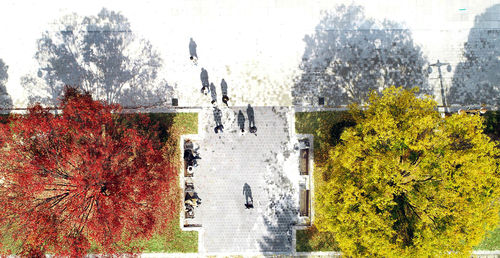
255	45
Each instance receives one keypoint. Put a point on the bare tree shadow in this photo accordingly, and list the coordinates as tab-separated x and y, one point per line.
349	55
281	212
477	78
101	55
5	99
280	232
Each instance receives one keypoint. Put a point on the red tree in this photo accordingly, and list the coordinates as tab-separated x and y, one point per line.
81	176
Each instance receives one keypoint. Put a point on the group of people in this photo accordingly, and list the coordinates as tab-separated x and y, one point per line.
191	155
251	120
191	201
217	112
208	87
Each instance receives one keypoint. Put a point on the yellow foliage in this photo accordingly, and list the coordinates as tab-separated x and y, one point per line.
406	182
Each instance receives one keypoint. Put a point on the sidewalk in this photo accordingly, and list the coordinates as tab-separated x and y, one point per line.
479	254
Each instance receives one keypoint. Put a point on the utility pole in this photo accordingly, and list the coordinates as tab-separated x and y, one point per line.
448	68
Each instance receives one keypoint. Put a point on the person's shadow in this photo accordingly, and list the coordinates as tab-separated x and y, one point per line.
241	121
192	49
223	87
218	120
213	93
247	192
204	80
251	119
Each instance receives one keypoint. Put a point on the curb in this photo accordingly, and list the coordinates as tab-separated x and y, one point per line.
478	253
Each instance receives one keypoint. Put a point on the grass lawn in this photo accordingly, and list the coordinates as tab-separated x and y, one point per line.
491	242
492	129
6	241
326	126
492	124
172	239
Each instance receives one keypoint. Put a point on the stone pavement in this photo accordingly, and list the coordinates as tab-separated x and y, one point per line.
267	162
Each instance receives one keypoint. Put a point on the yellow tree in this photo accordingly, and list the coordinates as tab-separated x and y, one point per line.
406	182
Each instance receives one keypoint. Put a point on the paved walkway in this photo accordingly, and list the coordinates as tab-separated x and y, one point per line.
263	165
481	254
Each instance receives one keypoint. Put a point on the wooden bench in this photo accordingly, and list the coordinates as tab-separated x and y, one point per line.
304	202
187	172
188	194
188	149
188	215
191	225
304	162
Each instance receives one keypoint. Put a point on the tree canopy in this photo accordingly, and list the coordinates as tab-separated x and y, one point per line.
405	182
81	176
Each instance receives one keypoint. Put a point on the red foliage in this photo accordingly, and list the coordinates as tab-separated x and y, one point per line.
79	176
